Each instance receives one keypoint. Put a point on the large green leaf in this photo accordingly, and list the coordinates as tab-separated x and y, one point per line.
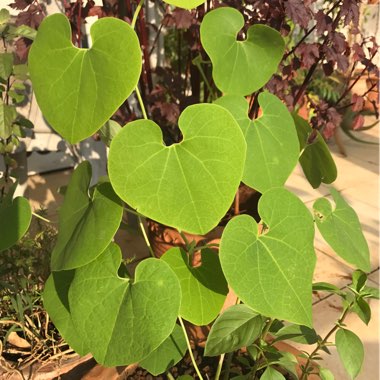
123	321
187	4
272	272
189	185
87	221
15	217
240	67
78	90
169	353
297	333
272	144
55	297
204	288
342	231
237	327
316	160
350	350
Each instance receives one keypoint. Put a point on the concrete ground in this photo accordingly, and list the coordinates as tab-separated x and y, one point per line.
358	182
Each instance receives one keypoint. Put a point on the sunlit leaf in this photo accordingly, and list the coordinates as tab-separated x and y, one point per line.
78	90
189	185
240	67
272	272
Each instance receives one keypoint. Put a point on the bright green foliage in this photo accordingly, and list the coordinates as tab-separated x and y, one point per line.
342	231
272	144
204	288
109	131
272	273
122	321
88	220
297	333
350	350
240	67
78	90
168	354
237	327
271	374
6	65
15	217
187	4
316	160
56	302
189	185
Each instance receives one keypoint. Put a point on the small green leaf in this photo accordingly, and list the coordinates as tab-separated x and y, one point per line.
359	280
272	273
316	160
204	288
370	292
240	67
363	310
78	90
296	333
15	217
87	222
271	374
186	4
237	327
326	287
326	374
342	231
6	65
109	131
272	144
350	350
123	321
189	185
4	16
25	31
8	115
169	353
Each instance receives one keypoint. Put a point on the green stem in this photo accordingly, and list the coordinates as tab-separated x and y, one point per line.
147	242
190	350
135	15
139	98
219	368
211	91
169	376
323	342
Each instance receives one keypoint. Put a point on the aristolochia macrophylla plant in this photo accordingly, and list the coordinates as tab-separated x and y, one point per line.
122	317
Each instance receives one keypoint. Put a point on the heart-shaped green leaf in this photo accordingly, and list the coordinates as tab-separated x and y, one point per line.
316	160
56	303
350	350
272	273
342	231
15	217
189	185
169	353
122	321
237	327
78	90
204	288
272	143
187	4
87	221
240	67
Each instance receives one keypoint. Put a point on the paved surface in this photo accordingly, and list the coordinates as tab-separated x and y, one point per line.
358	182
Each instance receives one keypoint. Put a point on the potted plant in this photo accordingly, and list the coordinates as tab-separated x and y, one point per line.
121	317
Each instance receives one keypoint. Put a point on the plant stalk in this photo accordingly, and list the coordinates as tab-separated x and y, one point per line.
135	15
190	350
